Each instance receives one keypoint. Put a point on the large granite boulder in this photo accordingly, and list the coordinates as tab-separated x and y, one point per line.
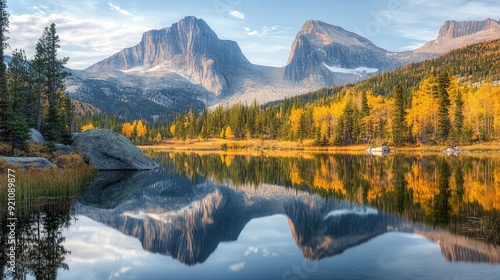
36	136
63	149
29	162
108	150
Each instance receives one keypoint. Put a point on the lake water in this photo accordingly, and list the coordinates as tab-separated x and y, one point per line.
274	216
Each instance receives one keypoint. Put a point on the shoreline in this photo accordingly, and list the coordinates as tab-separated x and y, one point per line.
255	145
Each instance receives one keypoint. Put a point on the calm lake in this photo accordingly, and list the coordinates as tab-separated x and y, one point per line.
274	216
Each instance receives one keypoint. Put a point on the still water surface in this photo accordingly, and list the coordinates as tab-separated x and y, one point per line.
290	216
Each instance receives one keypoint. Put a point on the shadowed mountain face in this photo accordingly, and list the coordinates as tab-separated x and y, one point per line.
172	216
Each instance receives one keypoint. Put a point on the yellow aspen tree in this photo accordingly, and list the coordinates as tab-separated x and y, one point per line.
127	129
158	138
141	129
172	130
87	127
422	116
295	120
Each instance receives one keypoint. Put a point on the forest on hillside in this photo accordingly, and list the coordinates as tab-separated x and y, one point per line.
452	100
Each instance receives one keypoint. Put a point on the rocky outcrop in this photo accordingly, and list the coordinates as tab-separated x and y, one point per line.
108	150
63	149
329	55
189	48
29	162
455	29
35	136
456	34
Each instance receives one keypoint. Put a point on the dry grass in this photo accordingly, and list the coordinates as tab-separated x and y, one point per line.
34	183
252	144
50	182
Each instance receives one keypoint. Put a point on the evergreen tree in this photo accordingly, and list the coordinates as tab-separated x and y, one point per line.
459	117
20	87
55	127
399	123
444	123
5	110
37	68
18	132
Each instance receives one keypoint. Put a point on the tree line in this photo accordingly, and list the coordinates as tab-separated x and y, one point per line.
440	110
31	90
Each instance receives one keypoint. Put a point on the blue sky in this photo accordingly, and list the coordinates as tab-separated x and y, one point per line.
91	30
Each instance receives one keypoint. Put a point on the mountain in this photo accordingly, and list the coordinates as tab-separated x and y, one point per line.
453	35
472	64
188	48
175	68
325	54
186	65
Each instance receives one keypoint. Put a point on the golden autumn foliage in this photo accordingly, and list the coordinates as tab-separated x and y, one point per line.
87	127
127	130
136	129
157	138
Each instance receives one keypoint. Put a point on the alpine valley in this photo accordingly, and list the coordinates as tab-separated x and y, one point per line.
187	65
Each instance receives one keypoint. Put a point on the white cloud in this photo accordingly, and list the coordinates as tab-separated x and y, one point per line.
84	40
237	14
237	267
253	33
120	10
119	273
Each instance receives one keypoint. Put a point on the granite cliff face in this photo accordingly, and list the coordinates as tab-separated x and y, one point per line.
326	54
455	34
188	48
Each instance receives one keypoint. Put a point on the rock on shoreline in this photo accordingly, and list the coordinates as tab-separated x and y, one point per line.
27	162
108	150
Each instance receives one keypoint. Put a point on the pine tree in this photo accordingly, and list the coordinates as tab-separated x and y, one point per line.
20	87
444	123
459	117
5	110
399	123
53	74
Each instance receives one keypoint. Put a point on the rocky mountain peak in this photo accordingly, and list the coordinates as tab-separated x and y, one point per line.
321	34
455	29
327	54
456	34
189	48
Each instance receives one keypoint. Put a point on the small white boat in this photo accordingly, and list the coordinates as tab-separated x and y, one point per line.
453	151
378	151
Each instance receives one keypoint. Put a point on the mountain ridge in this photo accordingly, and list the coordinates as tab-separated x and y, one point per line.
168	64
456	34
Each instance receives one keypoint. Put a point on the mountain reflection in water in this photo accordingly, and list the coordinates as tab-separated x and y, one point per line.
188	218
195	205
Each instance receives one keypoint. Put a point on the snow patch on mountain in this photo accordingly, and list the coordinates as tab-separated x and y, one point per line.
360	71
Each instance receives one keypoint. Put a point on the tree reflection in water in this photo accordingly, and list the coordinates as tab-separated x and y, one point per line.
39	240
434	189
